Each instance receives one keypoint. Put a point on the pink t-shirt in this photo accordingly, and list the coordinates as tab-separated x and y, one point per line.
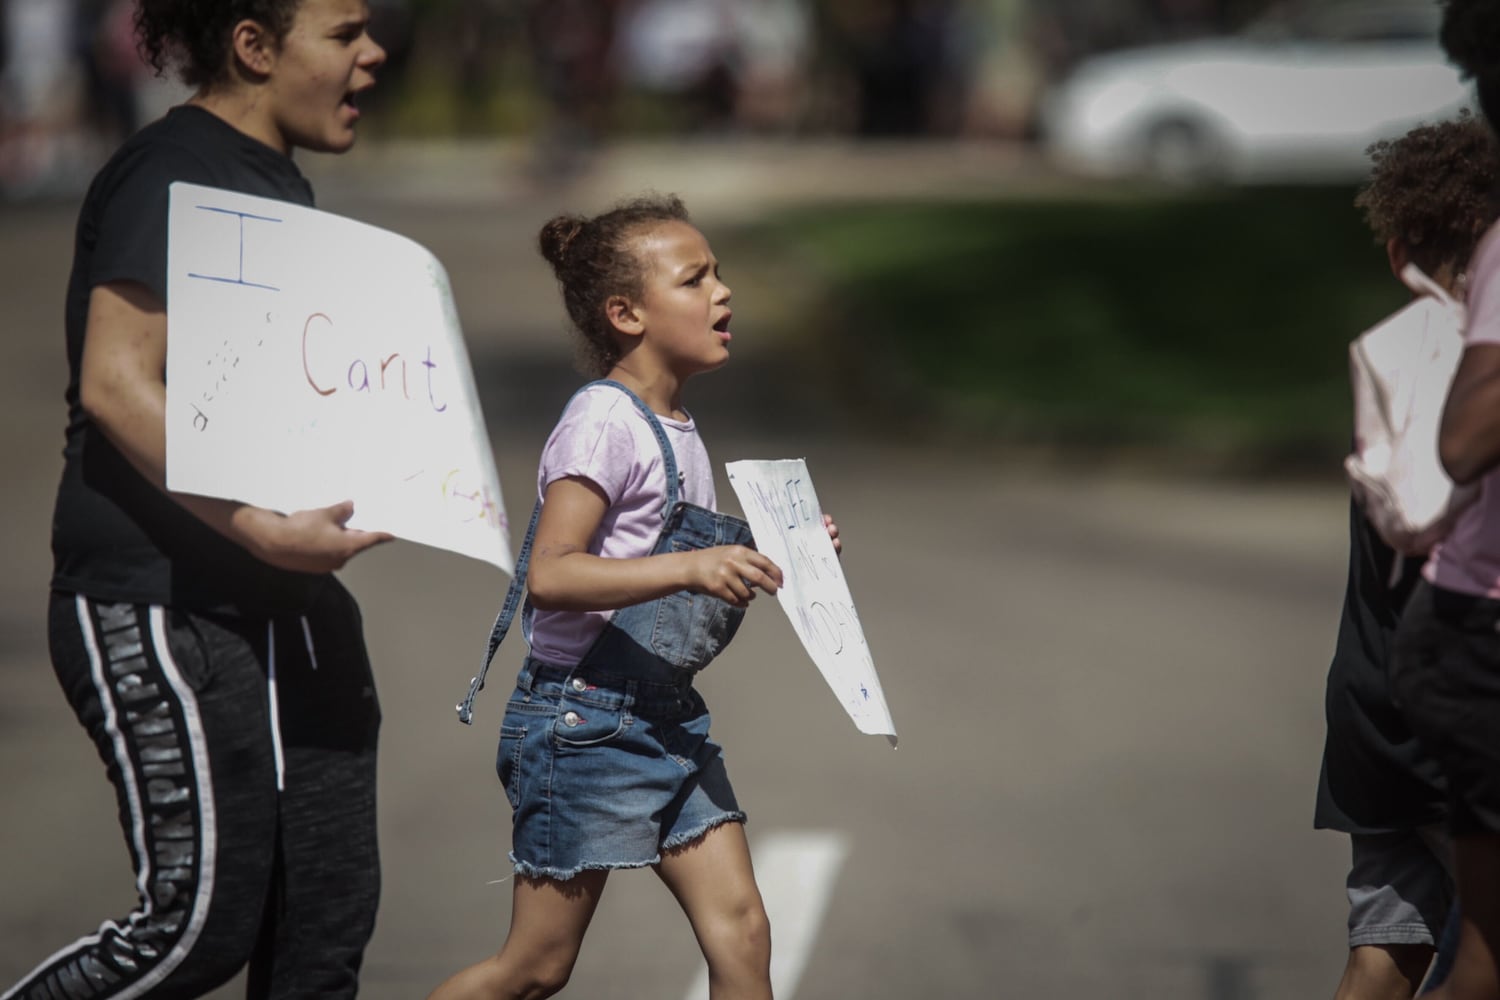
603	437
1468	560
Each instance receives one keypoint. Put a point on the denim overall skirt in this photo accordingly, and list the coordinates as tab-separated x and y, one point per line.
608	763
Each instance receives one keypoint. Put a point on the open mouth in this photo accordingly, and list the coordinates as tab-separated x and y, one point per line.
722	326
352	95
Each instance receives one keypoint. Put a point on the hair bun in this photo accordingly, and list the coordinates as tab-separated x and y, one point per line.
556	238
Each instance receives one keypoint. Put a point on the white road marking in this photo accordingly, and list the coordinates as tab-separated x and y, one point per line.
796	872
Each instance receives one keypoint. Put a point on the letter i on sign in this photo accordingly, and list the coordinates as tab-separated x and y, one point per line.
239	278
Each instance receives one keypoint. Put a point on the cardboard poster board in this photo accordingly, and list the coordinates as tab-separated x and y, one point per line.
787	521
313	359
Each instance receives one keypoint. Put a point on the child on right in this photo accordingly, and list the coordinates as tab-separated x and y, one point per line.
1430	196
634	582
1445	661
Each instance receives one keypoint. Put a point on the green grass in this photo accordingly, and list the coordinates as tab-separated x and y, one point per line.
1213	325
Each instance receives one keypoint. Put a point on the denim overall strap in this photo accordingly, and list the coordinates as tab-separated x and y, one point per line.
517	587
676	634
668	456
503	619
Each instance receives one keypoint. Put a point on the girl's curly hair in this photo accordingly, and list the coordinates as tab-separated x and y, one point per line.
1437	189
195	34
596	259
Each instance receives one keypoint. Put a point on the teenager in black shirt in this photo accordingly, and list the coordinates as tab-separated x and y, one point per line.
204	644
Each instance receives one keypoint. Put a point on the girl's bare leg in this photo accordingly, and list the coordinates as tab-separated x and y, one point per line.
547	923
715	885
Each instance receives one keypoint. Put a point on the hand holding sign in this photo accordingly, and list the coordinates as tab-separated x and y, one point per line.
789	527
307	541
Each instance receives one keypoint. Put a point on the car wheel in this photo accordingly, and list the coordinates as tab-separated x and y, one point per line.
1183	152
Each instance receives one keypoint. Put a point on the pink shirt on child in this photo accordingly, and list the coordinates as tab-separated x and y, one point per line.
604	438
1468	560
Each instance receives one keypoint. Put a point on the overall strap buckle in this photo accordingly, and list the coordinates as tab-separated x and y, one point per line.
507	613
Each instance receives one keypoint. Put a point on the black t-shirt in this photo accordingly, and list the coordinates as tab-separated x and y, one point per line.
1375	777
115	536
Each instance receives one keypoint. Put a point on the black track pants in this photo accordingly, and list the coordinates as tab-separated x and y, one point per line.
230	867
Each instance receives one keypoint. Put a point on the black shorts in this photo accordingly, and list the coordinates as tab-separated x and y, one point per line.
1445	676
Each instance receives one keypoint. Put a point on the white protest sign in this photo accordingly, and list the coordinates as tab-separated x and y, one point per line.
782	508
313	359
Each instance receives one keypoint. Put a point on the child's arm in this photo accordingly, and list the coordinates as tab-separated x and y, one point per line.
564	576
1469	442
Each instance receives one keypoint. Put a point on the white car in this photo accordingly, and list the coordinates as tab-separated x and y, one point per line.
1294	97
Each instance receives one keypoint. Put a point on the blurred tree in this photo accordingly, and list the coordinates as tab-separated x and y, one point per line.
571	44
870	67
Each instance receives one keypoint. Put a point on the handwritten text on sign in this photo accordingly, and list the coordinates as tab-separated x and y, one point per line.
787	522
313	359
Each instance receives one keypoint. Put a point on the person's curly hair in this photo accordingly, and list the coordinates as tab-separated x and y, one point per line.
1471	36
595	260
1437	189
194	35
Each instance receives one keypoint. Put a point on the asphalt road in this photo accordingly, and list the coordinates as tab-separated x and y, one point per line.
1108	689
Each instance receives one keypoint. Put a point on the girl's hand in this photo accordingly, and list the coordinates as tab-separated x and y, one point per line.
833	533
731	573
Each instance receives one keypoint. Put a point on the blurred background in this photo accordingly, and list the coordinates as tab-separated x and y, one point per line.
1054	296
1131	146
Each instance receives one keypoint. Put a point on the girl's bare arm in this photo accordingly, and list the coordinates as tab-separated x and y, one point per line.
564	576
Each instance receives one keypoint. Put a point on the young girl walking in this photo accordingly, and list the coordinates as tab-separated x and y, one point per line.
634	583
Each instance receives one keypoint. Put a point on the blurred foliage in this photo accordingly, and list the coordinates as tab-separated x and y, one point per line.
1210	328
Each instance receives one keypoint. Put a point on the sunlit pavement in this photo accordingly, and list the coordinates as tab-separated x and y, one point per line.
1108	689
